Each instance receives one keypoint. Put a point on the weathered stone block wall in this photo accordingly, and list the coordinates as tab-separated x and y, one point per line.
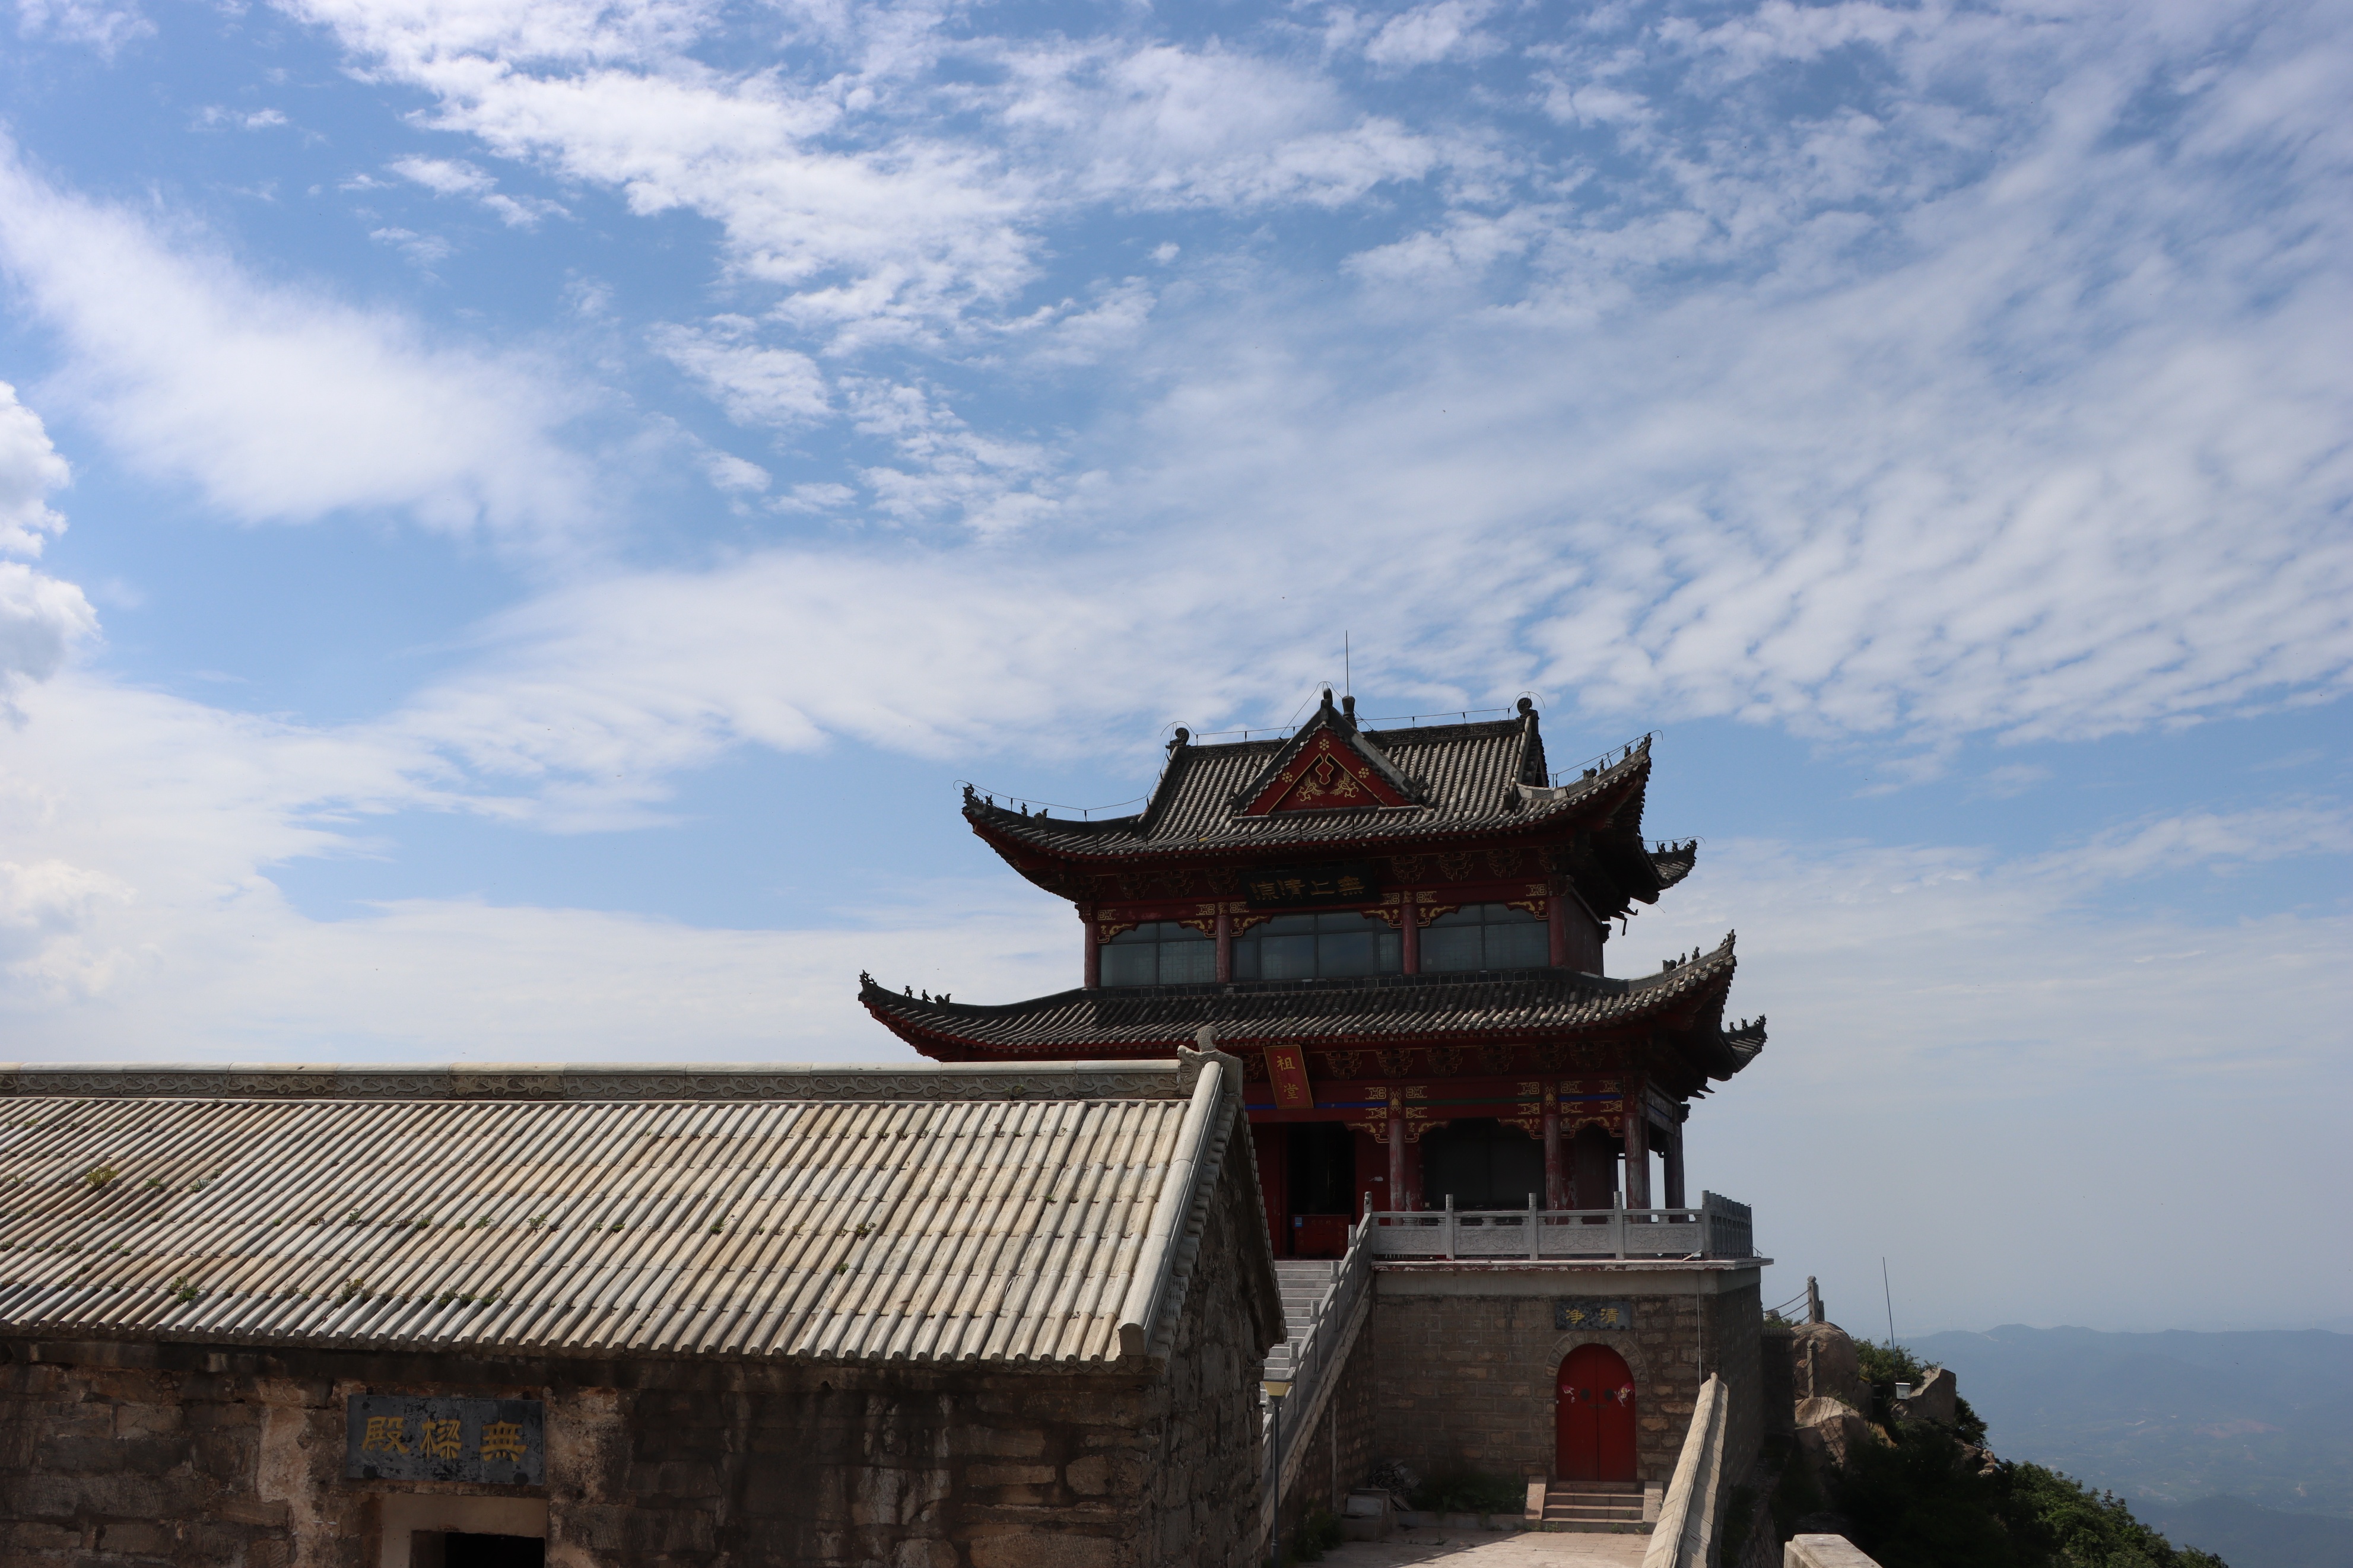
204	1458
1468	1368
1200	1444
1776	1348
1735	1348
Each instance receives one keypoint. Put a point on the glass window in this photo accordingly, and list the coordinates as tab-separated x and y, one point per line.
1485	936
1159	953
1318	947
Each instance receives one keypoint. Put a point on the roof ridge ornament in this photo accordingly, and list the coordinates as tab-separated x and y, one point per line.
1329	765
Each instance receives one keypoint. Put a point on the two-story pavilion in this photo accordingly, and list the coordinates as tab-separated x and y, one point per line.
1401	933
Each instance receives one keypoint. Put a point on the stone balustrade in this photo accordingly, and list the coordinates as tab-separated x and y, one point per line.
1719	1227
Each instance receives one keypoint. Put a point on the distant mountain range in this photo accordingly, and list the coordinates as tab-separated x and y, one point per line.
2238	1442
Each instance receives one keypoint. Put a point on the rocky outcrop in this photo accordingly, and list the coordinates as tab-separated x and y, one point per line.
1822	1365
1936	1399
1829	1430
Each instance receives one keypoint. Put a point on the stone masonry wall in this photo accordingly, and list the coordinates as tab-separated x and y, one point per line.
1198	1441
1468	1378
188	1456
1735	1348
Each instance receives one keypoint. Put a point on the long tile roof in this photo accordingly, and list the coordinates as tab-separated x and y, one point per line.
1443	1009
999	1213
1474	781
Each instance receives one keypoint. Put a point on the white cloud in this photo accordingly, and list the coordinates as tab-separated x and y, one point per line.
215	114
41	617
30	470
1425	34
105	29
275	402
756	386
424	249
736	474
1157	126
455	177
41	620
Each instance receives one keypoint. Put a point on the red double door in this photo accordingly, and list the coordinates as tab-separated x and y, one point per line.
1596	1415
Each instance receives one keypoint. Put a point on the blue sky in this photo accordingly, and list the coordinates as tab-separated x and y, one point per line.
518	516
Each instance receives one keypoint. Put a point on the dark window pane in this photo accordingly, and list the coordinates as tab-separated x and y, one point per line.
1451	948
1246	958
1467	916
1392	946
1523	945
1286	958
1188	963
1351	953
1287	925
1130	964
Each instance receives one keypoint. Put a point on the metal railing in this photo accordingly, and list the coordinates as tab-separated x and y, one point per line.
1719	1227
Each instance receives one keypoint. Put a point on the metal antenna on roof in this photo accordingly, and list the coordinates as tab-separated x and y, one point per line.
1347	668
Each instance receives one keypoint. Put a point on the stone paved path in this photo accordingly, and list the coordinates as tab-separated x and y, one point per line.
1479	1549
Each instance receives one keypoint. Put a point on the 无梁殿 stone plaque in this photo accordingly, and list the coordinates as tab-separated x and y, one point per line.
406	1437
1592	1312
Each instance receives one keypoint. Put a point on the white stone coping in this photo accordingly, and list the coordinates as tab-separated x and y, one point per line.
1824	1551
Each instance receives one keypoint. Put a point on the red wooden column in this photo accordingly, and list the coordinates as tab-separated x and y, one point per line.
1638	1149
1672	1158
1557	928
1397	1195
1224	946
1554	1198
1409	932
1094	949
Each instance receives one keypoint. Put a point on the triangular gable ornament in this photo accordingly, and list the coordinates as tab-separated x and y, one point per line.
1328	766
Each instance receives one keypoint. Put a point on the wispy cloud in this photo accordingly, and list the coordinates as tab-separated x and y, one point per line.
455	177
281	404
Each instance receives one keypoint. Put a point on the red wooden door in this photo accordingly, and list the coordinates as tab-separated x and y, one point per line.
1595	1416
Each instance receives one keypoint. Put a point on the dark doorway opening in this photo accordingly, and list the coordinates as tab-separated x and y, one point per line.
464	1549
1484	1163
1321	1179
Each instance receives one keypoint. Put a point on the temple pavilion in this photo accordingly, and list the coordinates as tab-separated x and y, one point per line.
1401	933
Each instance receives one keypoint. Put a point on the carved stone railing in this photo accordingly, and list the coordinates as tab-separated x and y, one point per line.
1719	1227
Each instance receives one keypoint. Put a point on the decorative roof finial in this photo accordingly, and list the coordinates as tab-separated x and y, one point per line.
1181	737
1348	705
1527	704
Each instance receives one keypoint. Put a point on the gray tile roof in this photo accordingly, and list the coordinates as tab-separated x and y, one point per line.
1542	1004
1473	781
997	1214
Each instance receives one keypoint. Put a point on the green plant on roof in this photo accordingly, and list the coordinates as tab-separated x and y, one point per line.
184	1288
98	1175
352	1288
155	1183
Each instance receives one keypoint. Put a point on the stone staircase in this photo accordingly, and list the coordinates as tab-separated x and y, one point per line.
1597	1507
1305	1281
